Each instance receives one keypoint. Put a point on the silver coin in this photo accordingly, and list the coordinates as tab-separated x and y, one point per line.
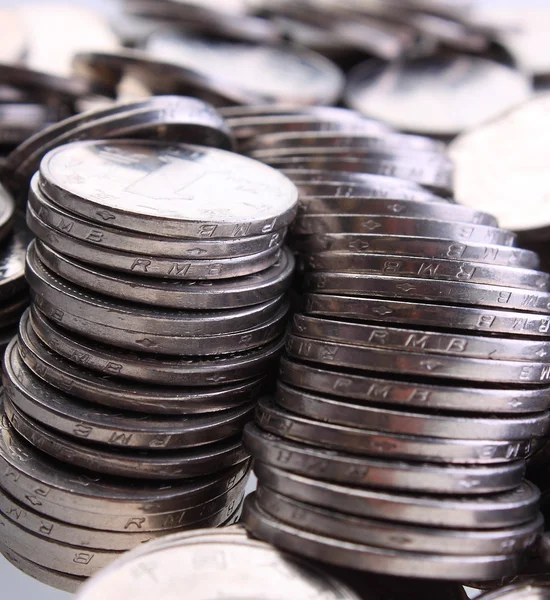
433	172
420	340
428	268
535	588
455	318
292	142
372	558
174	190
433	95
152	266
371	442
254	293
418	363
402	226
7	210
419	246
359	205
61	412
379	473
100	502
337	412
55	296
12	266
232	114
104	236
492	511
56	579
241	568
378	187
286	74
383	534
18	121
149	368
410	288
119	394
226	343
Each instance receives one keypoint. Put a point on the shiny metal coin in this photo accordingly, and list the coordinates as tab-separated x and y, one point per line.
116	393
242	568
358	205
254	72
152	266
377	187
379	473
372	558
7	210
492	511
371	442
323	113
63	413
449	318
402	226
535	588
104	236
414	288
383	534
420	340
433	95
417	246
173	370
353	356
264	288
174	190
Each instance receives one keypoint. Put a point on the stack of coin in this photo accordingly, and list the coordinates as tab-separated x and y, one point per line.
158	282
415	385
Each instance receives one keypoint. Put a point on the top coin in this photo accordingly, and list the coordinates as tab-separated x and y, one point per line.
173	190
441	95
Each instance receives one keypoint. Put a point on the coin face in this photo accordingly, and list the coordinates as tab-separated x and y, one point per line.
268	73
174	190
434	95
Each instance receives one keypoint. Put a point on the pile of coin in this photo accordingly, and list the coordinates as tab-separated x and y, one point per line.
158	282
415	382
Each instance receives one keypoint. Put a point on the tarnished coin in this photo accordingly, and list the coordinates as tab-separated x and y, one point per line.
169	189
353	356
152	266
337	412
260	73
63	413
371	442
242	568
454	318
490	511
114	392
104	236
420	340
372	558
414	288
173	370
379	473
383	534
257	291
433	95
402	226
417	246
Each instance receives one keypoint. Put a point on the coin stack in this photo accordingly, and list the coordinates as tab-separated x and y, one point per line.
158	282
13	293
416	377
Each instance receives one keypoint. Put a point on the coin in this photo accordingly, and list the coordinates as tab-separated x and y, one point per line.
383	534
379	186
491	511
379	473
67	415
371	558
433	95
419	340
12	266
286	74
417	246
170	190
371	442
534	588
455	318
262	289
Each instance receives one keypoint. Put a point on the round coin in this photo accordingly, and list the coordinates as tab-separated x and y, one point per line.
174	190
378	186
